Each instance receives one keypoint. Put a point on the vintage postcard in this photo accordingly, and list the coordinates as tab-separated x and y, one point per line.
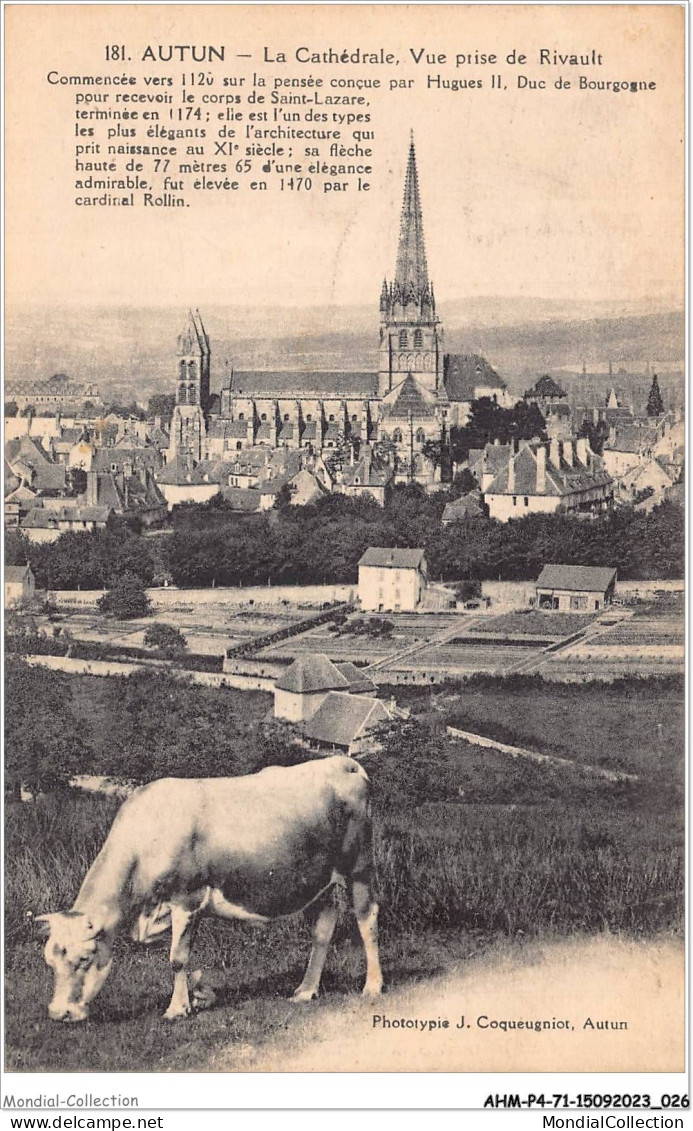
344	548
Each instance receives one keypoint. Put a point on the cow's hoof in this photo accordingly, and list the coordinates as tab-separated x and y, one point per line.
175	1013
304	995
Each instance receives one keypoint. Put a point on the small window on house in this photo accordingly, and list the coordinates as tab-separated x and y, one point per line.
286	416
420	435
331	416
514	500
526	501
309	416
397	436
264	416
354	417
357	480
418	339
239	445
241	416
403	339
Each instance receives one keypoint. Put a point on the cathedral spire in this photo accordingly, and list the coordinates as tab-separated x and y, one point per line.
411	273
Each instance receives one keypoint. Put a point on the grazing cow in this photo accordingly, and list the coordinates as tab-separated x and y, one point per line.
254	848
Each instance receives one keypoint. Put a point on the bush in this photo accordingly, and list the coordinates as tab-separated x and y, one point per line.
126	600
168	640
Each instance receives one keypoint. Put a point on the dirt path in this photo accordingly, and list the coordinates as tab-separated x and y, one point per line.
575	987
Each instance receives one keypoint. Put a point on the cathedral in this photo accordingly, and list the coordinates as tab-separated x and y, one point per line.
386	417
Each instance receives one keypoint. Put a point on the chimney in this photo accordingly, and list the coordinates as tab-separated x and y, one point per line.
568	452
511	472
555	453
583	451
541	469
486	475
91	495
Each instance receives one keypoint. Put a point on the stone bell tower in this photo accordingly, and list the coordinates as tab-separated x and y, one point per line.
411	338
189	422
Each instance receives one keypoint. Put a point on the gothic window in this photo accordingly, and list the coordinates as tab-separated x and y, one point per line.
420	435
183	395
192	399
403	342
239	445
182	370
191	370
418	339
402	361
397	436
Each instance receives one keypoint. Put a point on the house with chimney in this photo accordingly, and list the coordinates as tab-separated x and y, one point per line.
536	477
366	477
392	579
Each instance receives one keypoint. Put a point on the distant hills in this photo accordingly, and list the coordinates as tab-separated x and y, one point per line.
131	351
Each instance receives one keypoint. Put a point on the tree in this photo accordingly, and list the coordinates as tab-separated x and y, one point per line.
596	434
462	484
29	410
489	422
11	408
43	744
283	497
655	404
168	640
126	599
161	404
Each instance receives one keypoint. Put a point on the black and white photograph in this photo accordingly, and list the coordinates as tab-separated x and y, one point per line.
344	539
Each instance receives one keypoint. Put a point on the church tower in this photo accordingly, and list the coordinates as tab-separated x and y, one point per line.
189	422
411	338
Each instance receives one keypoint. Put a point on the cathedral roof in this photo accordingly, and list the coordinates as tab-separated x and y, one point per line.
409	397
464	373
275	384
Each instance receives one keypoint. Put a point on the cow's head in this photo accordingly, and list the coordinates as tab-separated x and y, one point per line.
79	953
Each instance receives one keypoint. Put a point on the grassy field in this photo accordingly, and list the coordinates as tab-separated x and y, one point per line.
637	726
472	848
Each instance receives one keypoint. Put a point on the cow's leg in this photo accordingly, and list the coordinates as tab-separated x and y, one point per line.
366	910
323	915
183	923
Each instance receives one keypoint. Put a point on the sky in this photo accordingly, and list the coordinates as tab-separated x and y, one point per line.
525	192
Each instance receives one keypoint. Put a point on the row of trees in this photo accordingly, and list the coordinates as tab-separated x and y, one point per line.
138	728
322	544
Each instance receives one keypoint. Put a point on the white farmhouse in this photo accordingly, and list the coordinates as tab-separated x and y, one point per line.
391	579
